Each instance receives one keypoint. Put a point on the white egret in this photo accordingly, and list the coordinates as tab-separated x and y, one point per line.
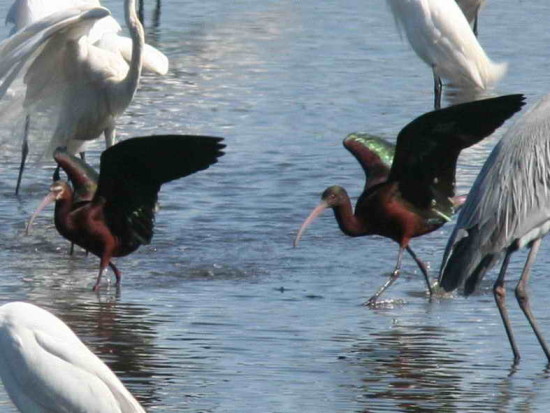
46	368
104	32
441	36
78	87
508	208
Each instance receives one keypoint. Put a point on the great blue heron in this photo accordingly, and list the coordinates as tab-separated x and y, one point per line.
441	36
508	208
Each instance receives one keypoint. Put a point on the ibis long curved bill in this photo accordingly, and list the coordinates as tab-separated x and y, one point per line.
48	199
319	209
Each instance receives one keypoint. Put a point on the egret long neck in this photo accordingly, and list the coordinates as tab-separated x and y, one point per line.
348	222
136	33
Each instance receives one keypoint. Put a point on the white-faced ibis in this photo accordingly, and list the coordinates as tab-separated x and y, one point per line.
113	215
508	208
70	83
416	195
46	368
440	35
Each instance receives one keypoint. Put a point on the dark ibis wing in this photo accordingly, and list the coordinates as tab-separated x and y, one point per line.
133	171
427	148
83	177
373	153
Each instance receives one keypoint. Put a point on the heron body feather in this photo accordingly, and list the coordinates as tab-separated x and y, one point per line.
509	203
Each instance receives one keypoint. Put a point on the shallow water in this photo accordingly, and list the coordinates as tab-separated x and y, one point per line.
220	313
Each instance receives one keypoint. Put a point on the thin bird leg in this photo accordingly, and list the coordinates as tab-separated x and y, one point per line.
394	276
422	267
475	24
523	297
71	251
83	155
24	153
105	260
140	11
499	292
117	273
110	137
437	90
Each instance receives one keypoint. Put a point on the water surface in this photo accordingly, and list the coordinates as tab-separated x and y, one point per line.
220	313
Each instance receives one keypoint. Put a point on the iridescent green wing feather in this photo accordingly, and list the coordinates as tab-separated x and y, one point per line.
373	153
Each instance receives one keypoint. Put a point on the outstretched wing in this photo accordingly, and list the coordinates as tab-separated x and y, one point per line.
373	153
427	148
83	177
133	171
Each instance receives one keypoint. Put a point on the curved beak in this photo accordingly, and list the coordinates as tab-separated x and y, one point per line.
314	214
50	198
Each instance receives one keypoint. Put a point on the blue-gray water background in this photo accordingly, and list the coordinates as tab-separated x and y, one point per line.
220	313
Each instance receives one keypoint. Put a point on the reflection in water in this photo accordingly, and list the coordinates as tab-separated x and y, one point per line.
410	367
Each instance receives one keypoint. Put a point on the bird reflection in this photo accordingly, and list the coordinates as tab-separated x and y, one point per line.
410	365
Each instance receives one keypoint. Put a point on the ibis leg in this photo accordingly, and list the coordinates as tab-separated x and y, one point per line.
105	261
394	276
438	86
24	153
523	297
499	291
422	267
117	273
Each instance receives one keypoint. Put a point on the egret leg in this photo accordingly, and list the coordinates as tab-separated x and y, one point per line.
523	297
422	267
24	153
438	86
475	25
117	273
499	292
394	276
110	137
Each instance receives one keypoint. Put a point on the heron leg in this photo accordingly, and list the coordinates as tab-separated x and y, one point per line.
422	267
523	297
117	273
394	276
24	153
438	86
499	291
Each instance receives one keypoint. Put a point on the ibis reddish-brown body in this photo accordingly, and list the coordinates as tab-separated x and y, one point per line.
112	214
409	189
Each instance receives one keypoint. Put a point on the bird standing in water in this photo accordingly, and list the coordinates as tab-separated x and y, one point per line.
416	195
507	209
440	35
113	216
